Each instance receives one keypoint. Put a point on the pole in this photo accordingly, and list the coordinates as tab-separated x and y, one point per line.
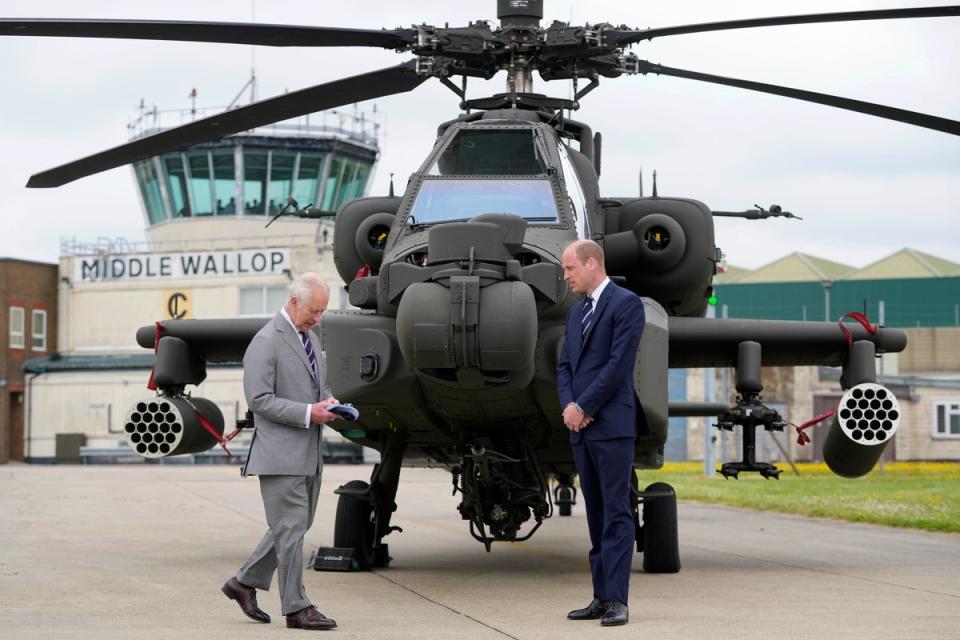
710	395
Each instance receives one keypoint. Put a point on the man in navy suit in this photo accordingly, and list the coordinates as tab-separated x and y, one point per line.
595	385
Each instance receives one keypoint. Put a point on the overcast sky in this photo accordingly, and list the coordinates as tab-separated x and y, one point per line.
865	187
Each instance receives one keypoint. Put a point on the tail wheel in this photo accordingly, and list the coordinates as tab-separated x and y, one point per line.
353	527
661	548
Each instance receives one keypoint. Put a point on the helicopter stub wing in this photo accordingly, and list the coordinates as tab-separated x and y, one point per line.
709	342
367	86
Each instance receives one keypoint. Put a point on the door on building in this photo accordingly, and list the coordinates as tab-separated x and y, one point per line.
15	431
824	403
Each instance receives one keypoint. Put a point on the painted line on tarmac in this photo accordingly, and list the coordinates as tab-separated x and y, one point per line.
440	604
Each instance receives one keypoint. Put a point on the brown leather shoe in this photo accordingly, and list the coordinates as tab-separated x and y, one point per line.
246	597
310	618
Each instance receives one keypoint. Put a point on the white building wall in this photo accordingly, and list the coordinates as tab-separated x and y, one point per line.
96	403
101	318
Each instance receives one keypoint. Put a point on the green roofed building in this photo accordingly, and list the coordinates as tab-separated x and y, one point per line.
906	289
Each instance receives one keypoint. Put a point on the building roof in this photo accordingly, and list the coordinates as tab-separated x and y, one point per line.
57	362
31	262
906	263
732	274
796	267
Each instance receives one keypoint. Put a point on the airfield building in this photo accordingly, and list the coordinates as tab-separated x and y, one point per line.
910	290
207	255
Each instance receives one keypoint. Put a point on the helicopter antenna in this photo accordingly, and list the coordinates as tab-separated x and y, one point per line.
391	184
641	182
654	183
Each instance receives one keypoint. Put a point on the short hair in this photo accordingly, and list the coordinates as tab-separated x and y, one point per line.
586	249
305	285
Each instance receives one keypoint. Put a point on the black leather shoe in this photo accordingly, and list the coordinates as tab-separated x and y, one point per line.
593	611
617	614
246	597
310	618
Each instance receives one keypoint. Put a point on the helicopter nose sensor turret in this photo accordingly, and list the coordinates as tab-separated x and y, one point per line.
475	322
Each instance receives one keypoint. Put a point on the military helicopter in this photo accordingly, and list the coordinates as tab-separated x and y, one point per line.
451	354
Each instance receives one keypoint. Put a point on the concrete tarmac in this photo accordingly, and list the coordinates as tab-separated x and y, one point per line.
140	551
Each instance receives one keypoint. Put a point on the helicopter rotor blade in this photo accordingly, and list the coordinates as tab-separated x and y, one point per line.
367	86
620	37
890	113
271	35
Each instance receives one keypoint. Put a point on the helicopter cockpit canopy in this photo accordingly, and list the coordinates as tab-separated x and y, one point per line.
449	200
491	152
487	170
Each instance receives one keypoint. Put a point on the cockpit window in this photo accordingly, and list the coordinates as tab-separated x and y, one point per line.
491	152
458	200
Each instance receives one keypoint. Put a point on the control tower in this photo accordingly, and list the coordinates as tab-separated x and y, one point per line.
225	189
207	255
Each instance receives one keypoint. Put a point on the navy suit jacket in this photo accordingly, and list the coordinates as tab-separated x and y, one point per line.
596	370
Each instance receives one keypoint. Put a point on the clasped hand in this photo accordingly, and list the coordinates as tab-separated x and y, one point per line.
574	418
319	413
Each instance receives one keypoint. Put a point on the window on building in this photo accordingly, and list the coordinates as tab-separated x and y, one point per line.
947	419
331	188
255	171
201	187
38	330
16	328
281	180
308	179
225	182
150	190
176	174
261	301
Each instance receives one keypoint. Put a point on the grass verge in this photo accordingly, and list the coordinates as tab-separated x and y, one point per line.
906	494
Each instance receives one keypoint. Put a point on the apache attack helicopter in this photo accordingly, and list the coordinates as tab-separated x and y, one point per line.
451	354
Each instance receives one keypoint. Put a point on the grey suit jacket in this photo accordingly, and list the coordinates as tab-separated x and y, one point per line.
278	384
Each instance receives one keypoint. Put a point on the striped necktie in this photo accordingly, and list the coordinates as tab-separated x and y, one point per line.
311	356
587	316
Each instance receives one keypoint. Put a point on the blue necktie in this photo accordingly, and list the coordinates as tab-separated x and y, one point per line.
311	356
587	316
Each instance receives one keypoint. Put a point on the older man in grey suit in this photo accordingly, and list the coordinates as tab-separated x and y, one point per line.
283	381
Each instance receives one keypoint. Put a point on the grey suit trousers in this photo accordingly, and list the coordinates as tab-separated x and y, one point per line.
289	503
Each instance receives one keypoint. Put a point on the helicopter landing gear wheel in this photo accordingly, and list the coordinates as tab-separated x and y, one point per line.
565	496
661	550
353	527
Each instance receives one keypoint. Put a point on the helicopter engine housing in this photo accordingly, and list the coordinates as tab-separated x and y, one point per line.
664	248
360	234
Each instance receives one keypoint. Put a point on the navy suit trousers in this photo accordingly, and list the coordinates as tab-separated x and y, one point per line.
605	467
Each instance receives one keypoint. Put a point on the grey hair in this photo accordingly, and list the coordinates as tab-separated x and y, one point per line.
305	285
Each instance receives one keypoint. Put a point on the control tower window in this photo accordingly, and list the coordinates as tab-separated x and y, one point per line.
333	180
346	180
177	185
308	178
355	186
150	190
254	182
281	180
491	152
225	185
201	194
459	200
